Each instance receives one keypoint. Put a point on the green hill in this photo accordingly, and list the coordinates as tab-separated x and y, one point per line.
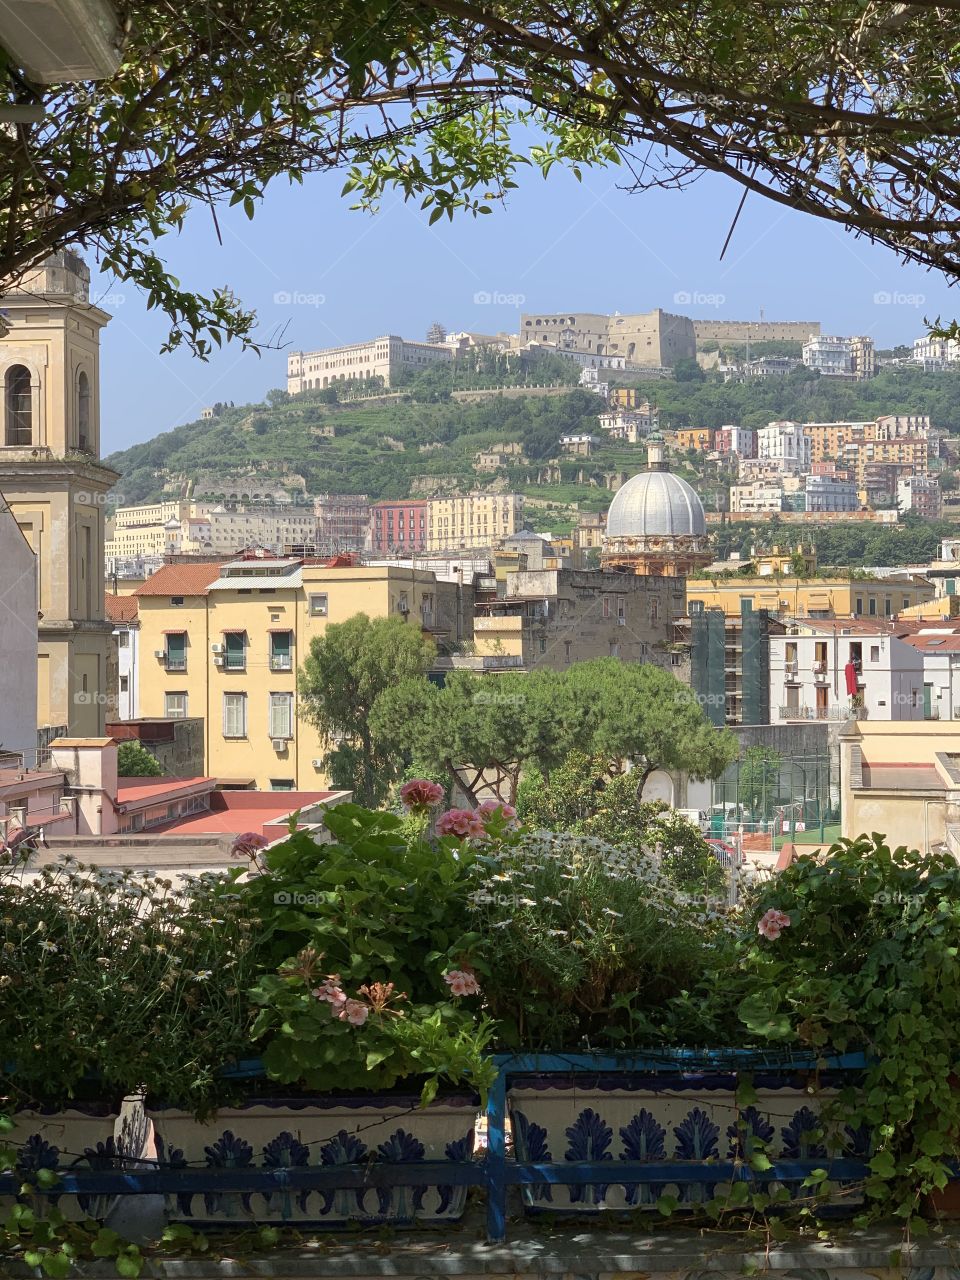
422	441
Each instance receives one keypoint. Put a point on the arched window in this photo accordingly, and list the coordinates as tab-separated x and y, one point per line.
18	406
83	411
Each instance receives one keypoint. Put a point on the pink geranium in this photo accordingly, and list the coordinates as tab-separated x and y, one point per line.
772	923
331	991
462	982
465	823
353	1011
420	794
247	844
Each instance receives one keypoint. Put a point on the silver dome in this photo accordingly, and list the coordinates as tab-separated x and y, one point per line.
655	502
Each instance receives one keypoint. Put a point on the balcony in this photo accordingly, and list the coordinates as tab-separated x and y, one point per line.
174	663
281	662
822	713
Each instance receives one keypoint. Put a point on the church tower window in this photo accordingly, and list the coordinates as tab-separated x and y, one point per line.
18	406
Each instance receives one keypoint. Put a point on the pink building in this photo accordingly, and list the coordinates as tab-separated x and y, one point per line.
398	527
739	440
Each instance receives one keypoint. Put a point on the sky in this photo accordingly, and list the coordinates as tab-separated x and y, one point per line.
320	274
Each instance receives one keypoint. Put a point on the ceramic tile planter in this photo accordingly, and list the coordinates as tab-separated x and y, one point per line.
688	1118
271	1133
96	1136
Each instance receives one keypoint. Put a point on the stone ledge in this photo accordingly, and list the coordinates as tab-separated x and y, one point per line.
566	1252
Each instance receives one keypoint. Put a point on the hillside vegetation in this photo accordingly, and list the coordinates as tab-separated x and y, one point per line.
424	441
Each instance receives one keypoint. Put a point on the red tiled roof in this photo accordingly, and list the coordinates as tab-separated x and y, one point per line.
134	790
181	580
119	608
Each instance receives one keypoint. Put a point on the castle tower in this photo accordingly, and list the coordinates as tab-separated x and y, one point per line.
55	486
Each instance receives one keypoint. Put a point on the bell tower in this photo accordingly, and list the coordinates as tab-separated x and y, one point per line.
55	485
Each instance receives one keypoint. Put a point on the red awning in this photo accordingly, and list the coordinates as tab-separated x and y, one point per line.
178	631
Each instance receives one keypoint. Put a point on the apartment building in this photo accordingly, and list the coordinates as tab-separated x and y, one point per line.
936	353
699	439
398	527
839	597
343	522
741	441
909	453
829	493
122	611
630	425
786	444
224	641
853	357
385	357
920	494
760	496
476	520
842	669
272	528
555	617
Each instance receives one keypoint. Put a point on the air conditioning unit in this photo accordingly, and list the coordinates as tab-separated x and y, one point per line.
279	744
317	764
159	653
218	659
216	648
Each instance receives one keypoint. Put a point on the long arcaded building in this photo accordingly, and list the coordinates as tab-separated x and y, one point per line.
384	357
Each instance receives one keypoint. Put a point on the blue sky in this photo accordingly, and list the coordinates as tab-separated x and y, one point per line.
323	274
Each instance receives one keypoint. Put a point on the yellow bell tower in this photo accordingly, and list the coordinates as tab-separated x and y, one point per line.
55	485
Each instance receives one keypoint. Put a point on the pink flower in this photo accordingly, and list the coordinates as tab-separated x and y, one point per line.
247	844
495	808
772	923
421	794
462	982
465	823
331	991
353	1011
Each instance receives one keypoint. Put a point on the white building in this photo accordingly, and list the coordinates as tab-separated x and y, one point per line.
837	669
827	493
630	425
920	494
939	647
18	641
761	496
384	358
935	354
786	444
122	612
834	356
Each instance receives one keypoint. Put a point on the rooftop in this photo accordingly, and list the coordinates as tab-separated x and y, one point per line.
120	608
181	579
136	791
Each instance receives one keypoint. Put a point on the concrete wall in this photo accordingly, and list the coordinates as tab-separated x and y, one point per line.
18	640
176	744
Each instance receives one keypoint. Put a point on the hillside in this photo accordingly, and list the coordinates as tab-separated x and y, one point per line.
423	442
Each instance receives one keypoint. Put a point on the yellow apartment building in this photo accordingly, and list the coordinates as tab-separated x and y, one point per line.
224	641
910	452
827	439
476	520
699	438
811	597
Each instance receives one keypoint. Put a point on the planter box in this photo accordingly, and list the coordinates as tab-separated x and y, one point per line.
676	1118
91	1135
273	1133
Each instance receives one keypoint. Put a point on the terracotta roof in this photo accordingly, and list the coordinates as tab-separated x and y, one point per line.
181	580
120	608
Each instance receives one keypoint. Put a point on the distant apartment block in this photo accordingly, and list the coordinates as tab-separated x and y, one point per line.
935	354
829	493
121	611
769	367
476	520
149	528
761	496
382	358
834	356
700	439
585	359
398	526
630	425
920	494
343	522
755	330
272	528
653	338
785	444
739	440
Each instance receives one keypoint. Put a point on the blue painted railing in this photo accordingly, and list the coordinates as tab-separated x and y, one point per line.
495	1173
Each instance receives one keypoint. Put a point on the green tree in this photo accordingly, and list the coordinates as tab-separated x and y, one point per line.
687	370
135	761
449	102
348	669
